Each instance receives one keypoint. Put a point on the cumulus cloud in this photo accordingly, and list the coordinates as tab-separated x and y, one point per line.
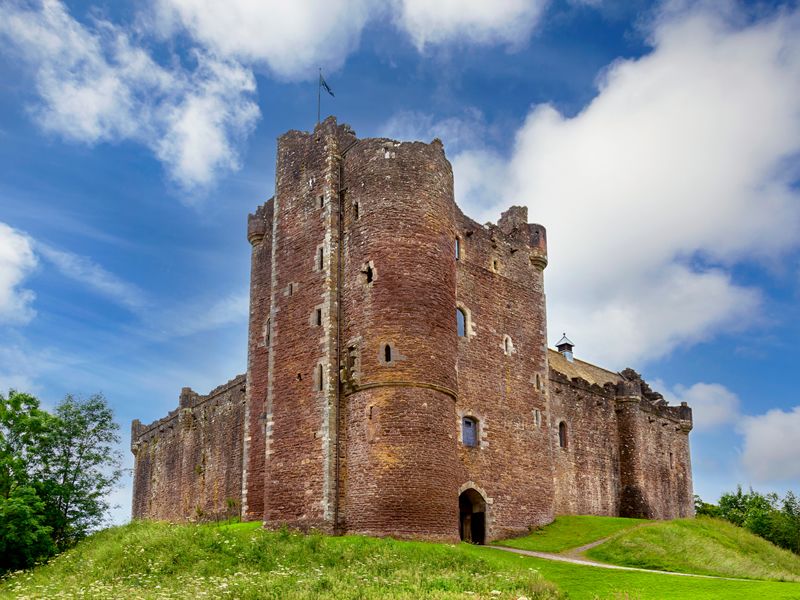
771	452
472	21
680	168
713	405
96	84
292	38
17	260
85	271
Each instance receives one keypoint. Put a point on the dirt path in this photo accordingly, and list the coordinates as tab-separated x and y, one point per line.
571	556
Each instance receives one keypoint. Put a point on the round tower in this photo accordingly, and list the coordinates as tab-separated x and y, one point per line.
399	340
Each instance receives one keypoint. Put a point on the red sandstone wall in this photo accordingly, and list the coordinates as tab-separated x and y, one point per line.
587	471
663	449
260	236
301	418
189	465
399	468
502	290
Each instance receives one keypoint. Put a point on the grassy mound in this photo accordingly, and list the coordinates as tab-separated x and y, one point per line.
151	560
571	531
702	545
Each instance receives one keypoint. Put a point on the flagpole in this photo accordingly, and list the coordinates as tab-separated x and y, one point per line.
319	90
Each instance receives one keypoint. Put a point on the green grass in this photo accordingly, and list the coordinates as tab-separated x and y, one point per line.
149	560
701	545
571	531
592	583
242	561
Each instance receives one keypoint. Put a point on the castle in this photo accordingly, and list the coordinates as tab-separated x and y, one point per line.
398	379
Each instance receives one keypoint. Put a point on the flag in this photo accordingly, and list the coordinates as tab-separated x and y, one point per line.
324	84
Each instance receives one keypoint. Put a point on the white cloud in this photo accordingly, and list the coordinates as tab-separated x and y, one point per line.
202	315
713	405
292	38
771	452
17	260
95	84
466	131
470	21
682	166
87	272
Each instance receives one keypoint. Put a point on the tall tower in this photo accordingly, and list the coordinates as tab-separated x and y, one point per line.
399	341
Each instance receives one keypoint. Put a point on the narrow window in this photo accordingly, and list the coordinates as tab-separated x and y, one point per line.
458	248
387	353
319	378
291	289
469	431
355	211
507	345
671	465
494	265
321	201
318	317
267	333
562	434
320	258
538	382
369	274
461	322
537	417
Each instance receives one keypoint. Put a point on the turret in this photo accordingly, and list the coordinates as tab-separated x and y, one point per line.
398	340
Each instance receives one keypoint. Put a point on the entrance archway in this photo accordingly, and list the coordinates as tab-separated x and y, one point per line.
472	516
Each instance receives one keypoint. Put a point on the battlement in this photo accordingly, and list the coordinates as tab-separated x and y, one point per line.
188	400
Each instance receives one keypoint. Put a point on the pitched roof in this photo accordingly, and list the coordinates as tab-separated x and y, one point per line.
580	369
564	340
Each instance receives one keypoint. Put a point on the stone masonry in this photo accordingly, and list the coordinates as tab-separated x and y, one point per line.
398	378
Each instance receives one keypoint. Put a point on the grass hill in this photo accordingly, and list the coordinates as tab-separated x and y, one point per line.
702	545
242	561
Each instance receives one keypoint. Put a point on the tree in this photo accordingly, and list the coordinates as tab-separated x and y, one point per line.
25	536
80	467
55	472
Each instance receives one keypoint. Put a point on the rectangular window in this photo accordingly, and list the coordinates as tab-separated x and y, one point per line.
537	417
318	317
320	258
469	431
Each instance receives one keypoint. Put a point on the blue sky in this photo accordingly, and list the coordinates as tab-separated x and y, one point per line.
657	142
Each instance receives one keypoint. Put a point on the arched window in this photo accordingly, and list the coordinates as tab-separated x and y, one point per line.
469	431
387	353
508	345
562	434
461	322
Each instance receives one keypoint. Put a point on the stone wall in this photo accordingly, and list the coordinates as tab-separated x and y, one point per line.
189	464
502	366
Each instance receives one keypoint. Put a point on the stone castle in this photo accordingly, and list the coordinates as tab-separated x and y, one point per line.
399	380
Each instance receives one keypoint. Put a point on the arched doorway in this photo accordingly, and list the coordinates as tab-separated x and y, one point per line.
472	516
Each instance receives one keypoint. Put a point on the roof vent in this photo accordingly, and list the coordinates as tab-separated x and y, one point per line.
565	347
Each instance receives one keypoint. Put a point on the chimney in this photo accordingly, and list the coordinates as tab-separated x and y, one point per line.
565	347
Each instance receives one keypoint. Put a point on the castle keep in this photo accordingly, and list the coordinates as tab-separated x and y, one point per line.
398	379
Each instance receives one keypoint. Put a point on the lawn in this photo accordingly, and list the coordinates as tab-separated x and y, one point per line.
149	560
701	545
571	531
595	583
242	561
